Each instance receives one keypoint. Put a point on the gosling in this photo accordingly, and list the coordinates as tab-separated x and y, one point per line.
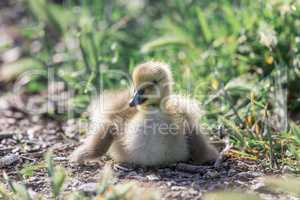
153	127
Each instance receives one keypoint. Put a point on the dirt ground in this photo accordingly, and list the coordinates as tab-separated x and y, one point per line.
25	137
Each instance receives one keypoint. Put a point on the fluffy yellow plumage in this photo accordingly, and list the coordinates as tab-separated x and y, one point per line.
152	127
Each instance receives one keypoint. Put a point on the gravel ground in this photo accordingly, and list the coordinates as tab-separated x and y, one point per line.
26	136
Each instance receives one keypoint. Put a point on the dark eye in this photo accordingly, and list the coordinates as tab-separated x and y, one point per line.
141	91
155	81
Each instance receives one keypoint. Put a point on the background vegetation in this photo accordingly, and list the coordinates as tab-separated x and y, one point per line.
240	59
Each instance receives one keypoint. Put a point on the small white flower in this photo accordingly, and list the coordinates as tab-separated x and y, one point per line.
267	35
287	8
296	63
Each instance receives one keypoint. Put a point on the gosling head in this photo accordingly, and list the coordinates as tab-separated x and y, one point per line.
152	82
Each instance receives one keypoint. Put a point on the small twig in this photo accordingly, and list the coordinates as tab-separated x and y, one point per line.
191	168
6	149
15	108
6	135
27	158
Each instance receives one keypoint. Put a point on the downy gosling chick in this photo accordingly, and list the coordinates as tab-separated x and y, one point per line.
151	128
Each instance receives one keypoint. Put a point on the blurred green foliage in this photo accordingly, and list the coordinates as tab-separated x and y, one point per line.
240	59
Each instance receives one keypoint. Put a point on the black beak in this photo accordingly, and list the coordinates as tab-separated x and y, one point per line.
137	98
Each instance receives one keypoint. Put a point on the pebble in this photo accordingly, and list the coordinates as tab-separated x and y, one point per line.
60	159
11	120
152	177
170	183
8	160
89	188
211	174
192	191
231	172
244	176
260	187
119	167
176	188
287	170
